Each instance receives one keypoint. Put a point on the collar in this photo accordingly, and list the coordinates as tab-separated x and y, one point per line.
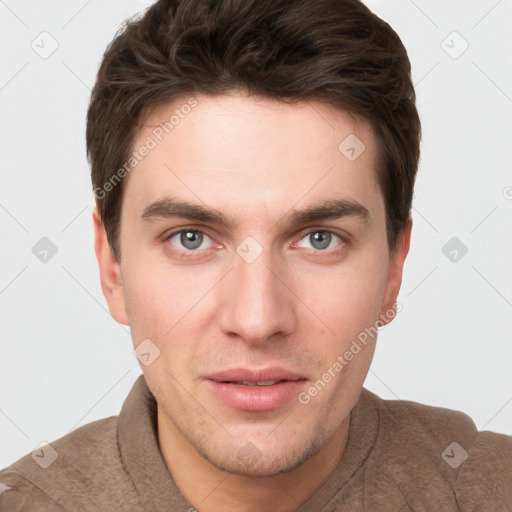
141	455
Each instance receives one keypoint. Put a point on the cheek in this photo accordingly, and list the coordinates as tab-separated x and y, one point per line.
159	312
347	300
350	307
162	301
152	301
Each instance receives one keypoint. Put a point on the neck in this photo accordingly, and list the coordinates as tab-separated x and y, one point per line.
210	489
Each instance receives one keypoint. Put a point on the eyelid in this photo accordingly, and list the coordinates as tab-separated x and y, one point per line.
183	229
345	238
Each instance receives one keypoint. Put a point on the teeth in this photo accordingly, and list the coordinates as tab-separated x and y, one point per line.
259	383
267	382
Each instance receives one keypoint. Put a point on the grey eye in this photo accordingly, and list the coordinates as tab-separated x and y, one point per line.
189	240
320	240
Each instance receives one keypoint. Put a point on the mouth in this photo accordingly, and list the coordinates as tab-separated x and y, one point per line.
256	390
252	383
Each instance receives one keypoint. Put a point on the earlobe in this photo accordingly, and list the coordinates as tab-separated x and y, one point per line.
110	272
395	271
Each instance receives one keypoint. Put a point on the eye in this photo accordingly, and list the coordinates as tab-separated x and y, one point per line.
190	240
320	240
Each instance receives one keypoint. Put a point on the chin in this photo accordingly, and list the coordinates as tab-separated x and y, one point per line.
251	462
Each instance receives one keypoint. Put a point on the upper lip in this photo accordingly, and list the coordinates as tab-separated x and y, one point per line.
256	375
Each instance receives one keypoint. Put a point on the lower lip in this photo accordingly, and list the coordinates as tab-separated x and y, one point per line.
257	398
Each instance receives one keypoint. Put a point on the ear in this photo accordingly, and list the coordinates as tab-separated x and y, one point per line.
395	270
110	272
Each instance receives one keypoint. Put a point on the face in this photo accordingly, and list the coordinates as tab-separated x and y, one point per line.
253	261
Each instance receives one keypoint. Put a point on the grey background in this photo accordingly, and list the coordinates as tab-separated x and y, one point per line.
65	362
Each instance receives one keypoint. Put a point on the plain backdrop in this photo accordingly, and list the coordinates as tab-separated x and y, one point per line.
64	360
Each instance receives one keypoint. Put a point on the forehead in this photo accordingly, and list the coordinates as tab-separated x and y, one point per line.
252	154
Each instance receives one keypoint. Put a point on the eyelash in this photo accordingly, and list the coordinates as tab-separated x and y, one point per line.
316	252
181	253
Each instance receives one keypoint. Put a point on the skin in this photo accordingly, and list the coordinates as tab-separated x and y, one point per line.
296	306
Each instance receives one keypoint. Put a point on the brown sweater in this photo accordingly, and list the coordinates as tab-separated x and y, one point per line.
399	457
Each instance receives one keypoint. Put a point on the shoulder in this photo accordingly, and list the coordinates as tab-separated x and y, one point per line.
444	446
434	426
485	478
67	474
19	494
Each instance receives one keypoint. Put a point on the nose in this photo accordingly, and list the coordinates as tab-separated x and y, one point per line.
257	305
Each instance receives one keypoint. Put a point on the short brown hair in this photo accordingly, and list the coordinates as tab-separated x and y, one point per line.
336	51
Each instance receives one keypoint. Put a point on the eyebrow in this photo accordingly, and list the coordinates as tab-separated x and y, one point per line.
330	209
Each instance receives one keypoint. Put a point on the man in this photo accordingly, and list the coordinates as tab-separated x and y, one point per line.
253	164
